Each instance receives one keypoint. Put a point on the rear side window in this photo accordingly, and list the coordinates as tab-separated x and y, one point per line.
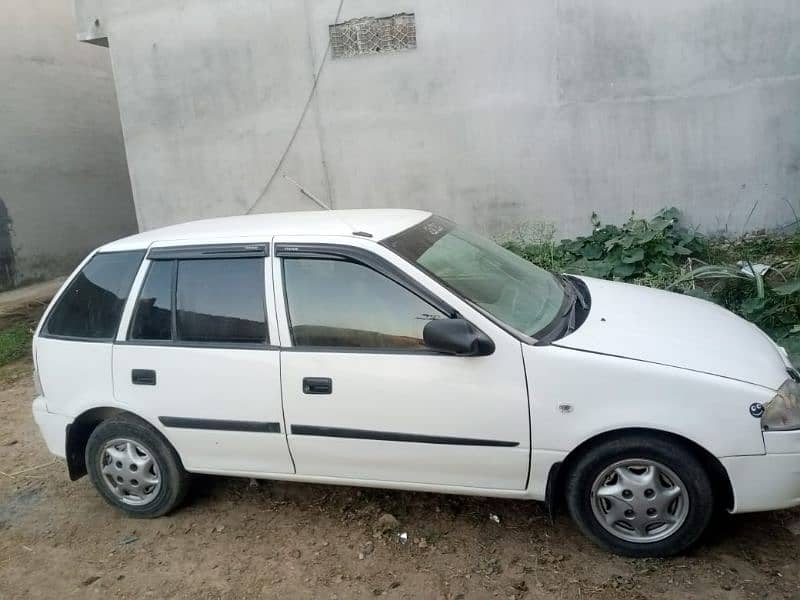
212	301
221	300
91	307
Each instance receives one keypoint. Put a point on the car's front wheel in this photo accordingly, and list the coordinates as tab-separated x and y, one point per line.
640	496
134	468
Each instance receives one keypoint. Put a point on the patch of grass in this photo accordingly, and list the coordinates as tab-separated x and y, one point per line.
15	342
536	242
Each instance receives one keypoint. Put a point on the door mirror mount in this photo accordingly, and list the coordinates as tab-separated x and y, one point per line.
458	337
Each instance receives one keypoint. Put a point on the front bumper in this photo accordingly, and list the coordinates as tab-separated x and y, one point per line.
53	427
768	481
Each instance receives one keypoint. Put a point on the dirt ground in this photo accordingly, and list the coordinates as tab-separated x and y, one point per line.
240	539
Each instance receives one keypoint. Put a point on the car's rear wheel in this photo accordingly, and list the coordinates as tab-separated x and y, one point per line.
134	468
640	496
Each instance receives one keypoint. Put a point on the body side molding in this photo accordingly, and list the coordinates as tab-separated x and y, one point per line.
393	436
220	424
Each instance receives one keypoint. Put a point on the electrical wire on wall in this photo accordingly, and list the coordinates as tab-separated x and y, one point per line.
300	120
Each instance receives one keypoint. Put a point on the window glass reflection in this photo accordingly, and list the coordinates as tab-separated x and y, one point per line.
341	303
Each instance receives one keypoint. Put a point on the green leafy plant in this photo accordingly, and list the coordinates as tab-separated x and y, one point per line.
757	276
635	249
767	295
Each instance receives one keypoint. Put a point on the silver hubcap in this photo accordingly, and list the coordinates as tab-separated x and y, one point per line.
639	500
130	471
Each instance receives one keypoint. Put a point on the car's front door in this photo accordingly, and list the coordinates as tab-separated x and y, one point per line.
365	400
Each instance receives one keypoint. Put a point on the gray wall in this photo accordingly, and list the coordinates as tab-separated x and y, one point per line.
512	111
63	177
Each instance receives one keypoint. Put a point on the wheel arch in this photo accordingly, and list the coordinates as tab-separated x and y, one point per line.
81	428
723	490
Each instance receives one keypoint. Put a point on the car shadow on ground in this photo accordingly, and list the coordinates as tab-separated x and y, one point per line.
428	510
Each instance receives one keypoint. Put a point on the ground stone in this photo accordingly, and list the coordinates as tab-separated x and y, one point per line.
388	522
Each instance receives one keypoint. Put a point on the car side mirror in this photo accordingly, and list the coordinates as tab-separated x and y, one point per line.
456	336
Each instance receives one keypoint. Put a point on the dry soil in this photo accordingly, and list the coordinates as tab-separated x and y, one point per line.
240	539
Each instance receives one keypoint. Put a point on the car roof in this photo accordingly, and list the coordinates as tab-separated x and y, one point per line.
379	223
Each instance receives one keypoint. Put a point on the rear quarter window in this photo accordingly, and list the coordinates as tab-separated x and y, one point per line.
91	306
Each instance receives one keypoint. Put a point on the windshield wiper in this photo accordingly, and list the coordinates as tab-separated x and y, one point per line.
575	296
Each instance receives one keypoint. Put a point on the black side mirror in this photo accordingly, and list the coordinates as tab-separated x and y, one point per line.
456	336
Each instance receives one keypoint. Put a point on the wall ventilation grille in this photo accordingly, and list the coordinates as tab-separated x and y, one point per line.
371	35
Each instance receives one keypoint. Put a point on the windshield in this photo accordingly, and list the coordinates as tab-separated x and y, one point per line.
509	288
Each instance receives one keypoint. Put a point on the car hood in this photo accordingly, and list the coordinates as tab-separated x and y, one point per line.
641	323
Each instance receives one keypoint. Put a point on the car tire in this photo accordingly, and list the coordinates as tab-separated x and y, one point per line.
640	496
134	468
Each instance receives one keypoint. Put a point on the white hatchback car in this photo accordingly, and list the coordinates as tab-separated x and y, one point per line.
391	348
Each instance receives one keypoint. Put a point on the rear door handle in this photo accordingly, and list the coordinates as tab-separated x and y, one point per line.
317	385
143	377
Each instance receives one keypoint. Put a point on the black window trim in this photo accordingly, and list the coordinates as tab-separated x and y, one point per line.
369	260
44	333
190	344
209	251
173	342
327	251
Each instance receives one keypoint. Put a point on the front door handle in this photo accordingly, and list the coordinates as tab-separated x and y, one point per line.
317	385
143	377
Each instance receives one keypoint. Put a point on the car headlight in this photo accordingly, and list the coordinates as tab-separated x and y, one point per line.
782	413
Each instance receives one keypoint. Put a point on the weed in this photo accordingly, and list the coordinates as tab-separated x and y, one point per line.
15	342
757	276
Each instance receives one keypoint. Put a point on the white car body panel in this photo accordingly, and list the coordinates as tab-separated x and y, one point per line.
643	359
409	393
379	223
52	426
635	321
416	395
77	374
710	411
765	482
782	442
213	384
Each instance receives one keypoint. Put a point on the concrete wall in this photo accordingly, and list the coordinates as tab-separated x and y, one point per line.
63	179
521	110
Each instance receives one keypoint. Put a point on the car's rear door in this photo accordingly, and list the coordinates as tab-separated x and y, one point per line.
365	400
194	357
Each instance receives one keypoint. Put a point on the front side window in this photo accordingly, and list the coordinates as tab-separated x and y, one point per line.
213	301
508	287
341	303
91	306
